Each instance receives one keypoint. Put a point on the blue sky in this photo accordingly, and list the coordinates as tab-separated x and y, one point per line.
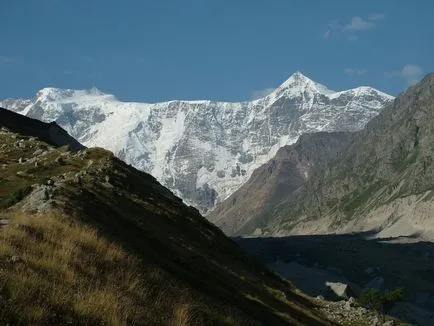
155	50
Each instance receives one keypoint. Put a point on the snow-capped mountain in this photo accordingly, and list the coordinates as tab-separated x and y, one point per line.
203	150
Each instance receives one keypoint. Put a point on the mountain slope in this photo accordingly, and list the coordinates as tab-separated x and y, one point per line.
244	210
87	239
383	181
203	150
48	132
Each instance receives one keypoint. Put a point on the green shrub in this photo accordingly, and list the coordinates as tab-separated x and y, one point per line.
380	301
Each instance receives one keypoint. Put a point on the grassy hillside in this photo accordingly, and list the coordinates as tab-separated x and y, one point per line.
87	239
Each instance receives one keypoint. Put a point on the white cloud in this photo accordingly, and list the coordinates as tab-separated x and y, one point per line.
359	24
410	72
376	16
257	94
355	72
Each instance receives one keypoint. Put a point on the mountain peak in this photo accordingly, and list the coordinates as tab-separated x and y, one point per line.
51	94
300	82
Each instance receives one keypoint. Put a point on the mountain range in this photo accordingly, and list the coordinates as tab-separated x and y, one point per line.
379	179
203	150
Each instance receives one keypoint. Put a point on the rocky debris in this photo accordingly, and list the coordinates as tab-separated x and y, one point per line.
350	313
78	177
24	174
16	259
390	323
59	160
350	303
41	199
38	152
346	313
375	322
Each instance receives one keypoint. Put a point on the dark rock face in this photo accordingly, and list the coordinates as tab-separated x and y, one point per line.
383	179
247	208
48	132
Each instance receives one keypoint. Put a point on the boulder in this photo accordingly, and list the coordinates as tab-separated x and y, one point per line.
389	323
38	152
350	303
338	290
376	322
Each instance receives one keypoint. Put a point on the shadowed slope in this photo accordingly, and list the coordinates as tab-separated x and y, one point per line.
97	241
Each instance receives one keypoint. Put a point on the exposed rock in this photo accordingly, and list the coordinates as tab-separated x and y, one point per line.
376	322
247	208
389	323
350	303
15	259
38	152
335	290
383	181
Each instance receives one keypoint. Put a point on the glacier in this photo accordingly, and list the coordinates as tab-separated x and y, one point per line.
203	150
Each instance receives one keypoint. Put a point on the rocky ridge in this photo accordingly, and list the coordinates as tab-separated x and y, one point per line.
247	208
383	181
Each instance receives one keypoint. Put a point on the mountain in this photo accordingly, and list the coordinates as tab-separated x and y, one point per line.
87	239
50	133
203	150
383	181
271	182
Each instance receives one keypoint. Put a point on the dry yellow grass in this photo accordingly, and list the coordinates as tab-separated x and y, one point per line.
55	270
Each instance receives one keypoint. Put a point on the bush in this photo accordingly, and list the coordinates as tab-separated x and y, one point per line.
380	301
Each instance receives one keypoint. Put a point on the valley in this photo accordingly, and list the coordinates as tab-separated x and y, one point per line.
216	163
358	260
